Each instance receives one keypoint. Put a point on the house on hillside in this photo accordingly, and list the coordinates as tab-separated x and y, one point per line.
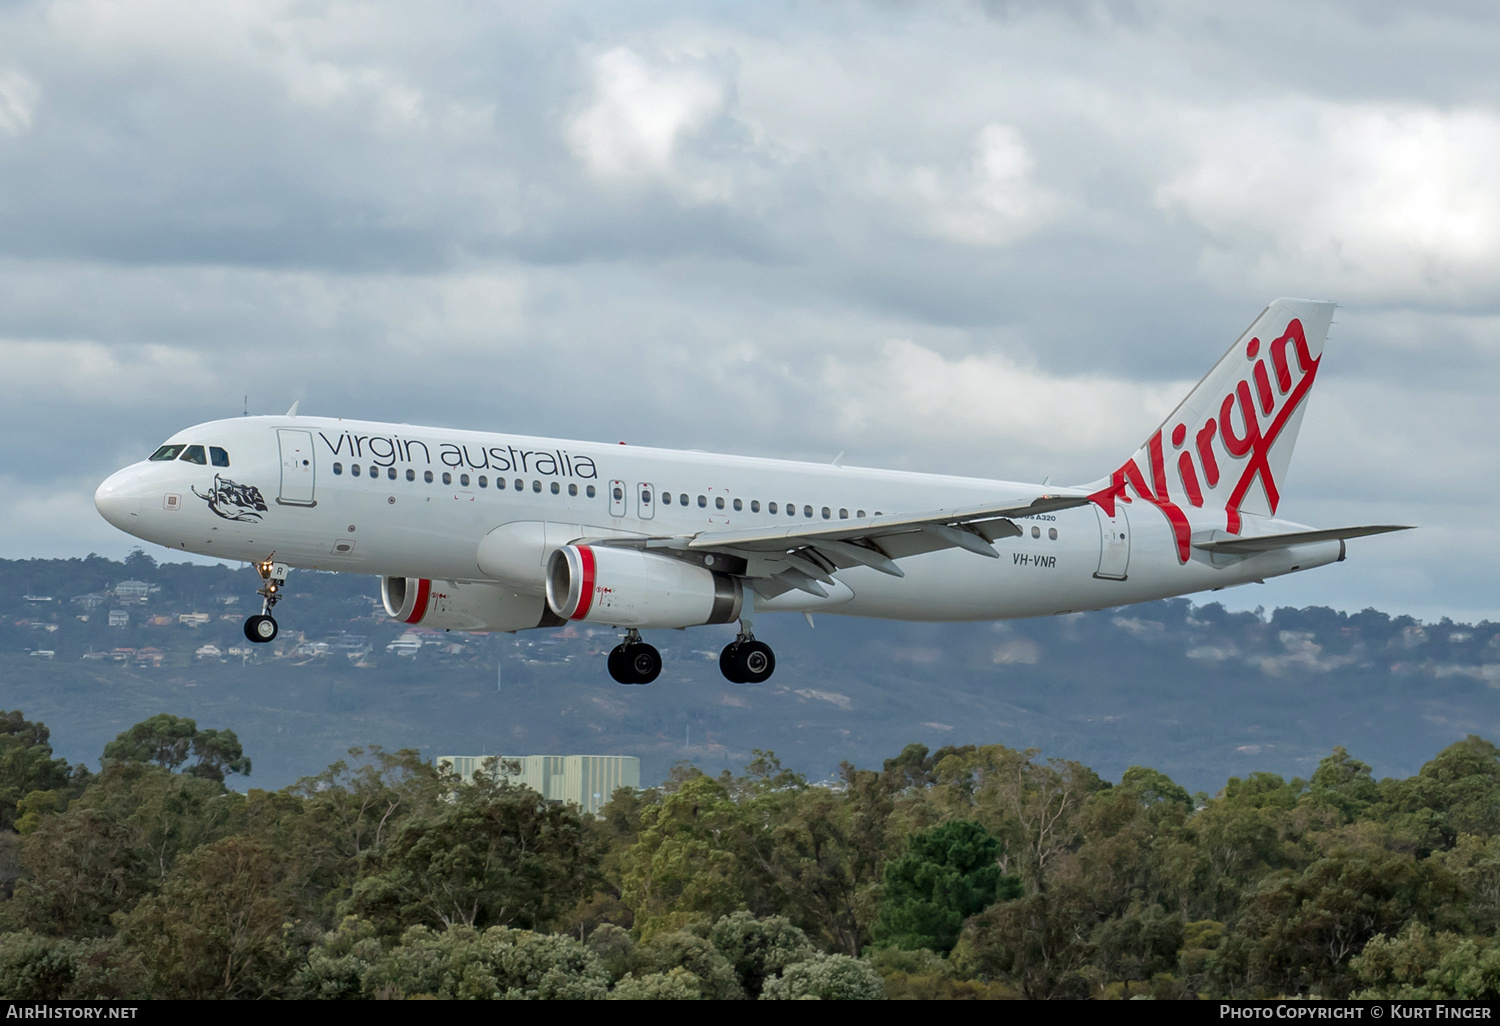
132	591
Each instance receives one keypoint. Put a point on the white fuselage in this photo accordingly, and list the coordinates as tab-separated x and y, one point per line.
403	501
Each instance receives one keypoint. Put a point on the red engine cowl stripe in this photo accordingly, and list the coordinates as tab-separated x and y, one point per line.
419	607
586	585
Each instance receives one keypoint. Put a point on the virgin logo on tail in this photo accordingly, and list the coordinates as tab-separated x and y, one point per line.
1228	451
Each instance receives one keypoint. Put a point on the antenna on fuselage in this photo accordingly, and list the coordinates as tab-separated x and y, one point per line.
293	411
247	407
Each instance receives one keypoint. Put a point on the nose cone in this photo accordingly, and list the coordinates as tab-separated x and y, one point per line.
119	500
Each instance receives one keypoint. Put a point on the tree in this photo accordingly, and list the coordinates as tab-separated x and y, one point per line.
496	855
27	766
1038	943
948	874
759	949
218	927
1343	785
463	963
827	978
81	868
1420	966
689	862
169	741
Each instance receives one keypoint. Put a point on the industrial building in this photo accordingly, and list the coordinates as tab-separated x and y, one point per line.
586	781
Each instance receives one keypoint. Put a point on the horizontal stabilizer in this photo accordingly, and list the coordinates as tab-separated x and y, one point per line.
1271	542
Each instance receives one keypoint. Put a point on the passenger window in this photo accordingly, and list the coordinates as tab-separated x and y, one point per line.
771	507
484	482
338	469
827	513
590	491
499	484
702	502
375	472
645	496
354	469
536	486
1052	533
463	480
860	513
520	485
556	488
1036	532
666	498
572	489
791	509
618	494
719	502
194	454
682	500
427	476
755	506
217	456
738	505
807	511
167	452
390	473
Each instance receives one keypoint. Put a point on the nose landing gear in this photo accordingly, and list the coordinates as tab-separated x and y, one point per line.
633	661
262	627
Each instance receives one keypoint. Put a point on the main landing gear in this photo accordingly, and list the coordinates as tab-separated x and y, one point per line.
747	661
743	661
262	628
633	661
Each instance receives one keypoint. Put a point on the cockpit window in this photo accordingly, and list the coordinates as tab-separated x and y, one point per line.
167	452
217	456
194	454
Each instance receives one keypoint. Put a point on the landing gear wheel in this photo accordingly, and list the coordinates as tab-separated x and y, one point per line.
644	661
726	663
754	662
634	663
261	628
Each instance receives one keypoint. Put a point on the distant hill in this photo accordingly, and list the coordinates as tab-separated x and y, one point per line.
1192	690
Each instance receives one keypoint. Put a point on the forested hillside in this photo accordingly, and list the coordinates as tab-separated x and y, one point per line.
1195	691
969	872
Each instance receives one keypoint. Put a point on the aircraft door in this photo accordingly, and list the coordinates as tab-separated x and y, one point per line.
1114	543
298	470
617	498
645	495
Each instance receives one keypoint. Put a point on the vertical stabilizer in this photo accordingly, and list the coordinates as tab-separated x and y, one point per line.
1225	449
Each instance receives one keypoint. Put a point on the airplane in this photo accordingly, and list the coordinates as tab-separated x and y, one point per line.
484	531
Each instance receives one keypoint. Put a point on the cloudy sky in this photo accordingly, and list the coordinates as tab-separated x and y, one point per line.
993	239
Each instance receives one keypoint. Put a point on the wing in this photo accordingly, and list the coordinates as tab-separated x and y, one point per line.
778	559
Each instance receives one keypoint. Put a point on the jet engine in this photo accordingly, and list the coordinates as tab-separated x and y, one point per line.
630	588
464	605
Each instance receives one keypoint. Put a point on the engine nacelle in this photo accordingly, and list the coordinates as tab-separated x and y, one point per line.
464	605
631	588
